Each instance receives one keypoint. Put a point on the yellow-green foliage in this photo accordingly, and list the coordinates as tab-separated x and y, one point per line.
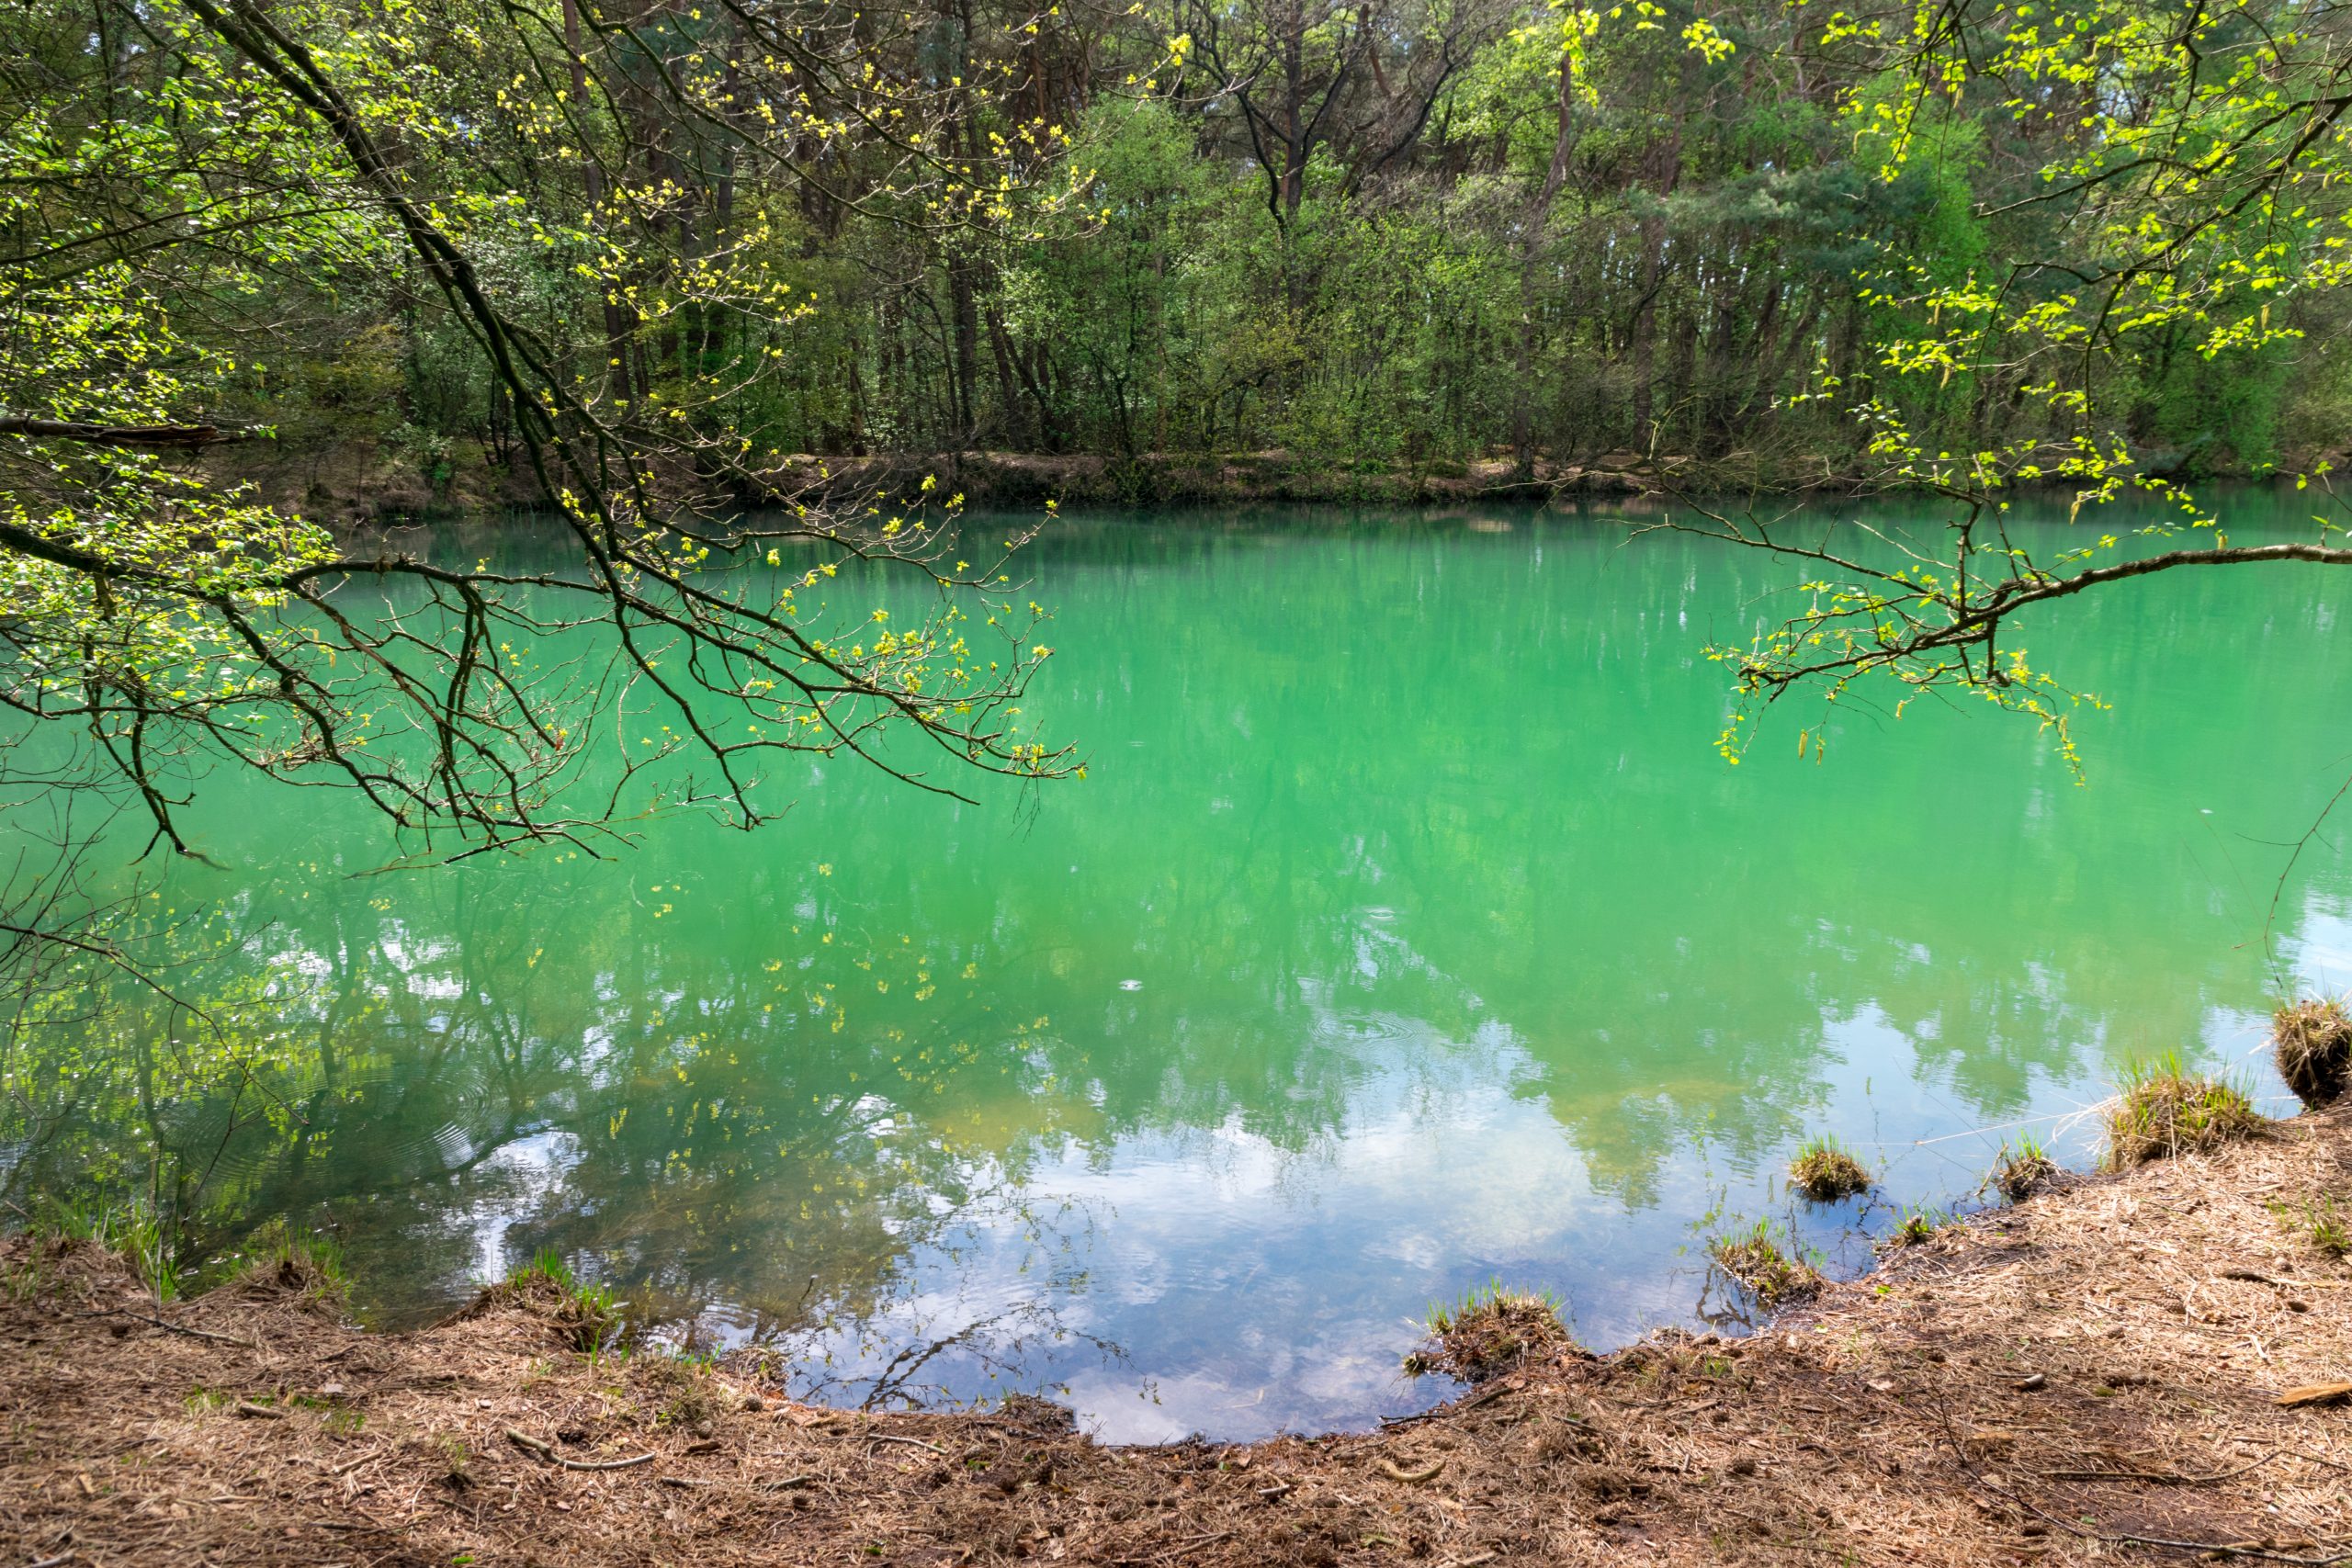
278	1260
2321	1221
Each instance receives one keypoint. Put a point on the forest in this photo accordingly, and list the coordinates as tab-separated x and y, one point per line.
1421	237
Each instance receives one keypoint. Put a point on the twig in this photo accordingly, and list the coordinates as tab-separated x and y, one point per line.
174	1327
2120	1538
911	1442
1389	1468
2161	1477
547	1451
1185	1545
1435	1411
262	1412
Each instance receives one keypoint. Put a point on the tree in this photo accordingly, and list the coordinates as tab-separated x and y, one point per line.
504	177
2171	222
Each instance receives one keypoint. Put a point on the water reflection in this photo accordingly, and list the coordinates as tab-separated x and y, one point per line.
1408	934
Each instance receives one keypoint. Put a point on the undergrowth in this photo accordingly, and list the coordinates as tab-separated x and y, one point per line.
132	1229
276	1260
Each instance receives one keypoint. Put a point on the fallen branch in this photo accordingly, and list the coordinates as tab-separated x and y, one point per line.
2159	1477
176	1327
1389	1467
2120	1538
117	435
547	1451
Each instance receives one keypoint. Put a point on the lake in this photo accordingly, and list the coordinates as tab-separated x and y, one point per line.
1407	933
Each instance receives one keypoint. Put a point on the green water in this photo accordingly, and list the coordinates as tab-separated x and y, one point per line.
1407	932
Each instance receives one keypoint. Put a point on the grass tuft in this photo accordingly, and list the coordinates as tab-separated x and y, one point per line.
2312	1042
2322	1222
132	1229
1919	1227
585	1315
1492	1329
2165	1110
1826	1173
276	1261
2022	1169
1761	1267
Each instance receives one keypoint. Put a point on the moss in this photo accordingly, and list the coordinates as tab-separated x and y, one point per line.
1762	1268
1826	1173
1489	1331
2165	1110
2311	1041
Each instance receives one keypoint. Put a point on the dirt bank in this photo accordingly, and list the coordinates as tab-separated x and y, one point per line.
358	483
2078	1379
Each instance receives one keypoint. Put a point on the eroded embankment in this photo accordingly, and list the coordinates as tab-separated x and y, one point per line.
2081	1378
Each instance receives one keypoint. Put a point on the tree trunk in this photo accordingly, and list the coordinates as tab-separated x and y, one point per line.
1564	141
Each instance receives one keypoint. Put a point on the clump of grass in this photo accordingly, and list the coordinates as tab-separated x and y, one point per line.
693	1402
280	1262
1761	1267
1919	1226
2321	1221
585	1315
1824	1172
1492	1329
2022	1169
2312	1042
2165	1110
133	1229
